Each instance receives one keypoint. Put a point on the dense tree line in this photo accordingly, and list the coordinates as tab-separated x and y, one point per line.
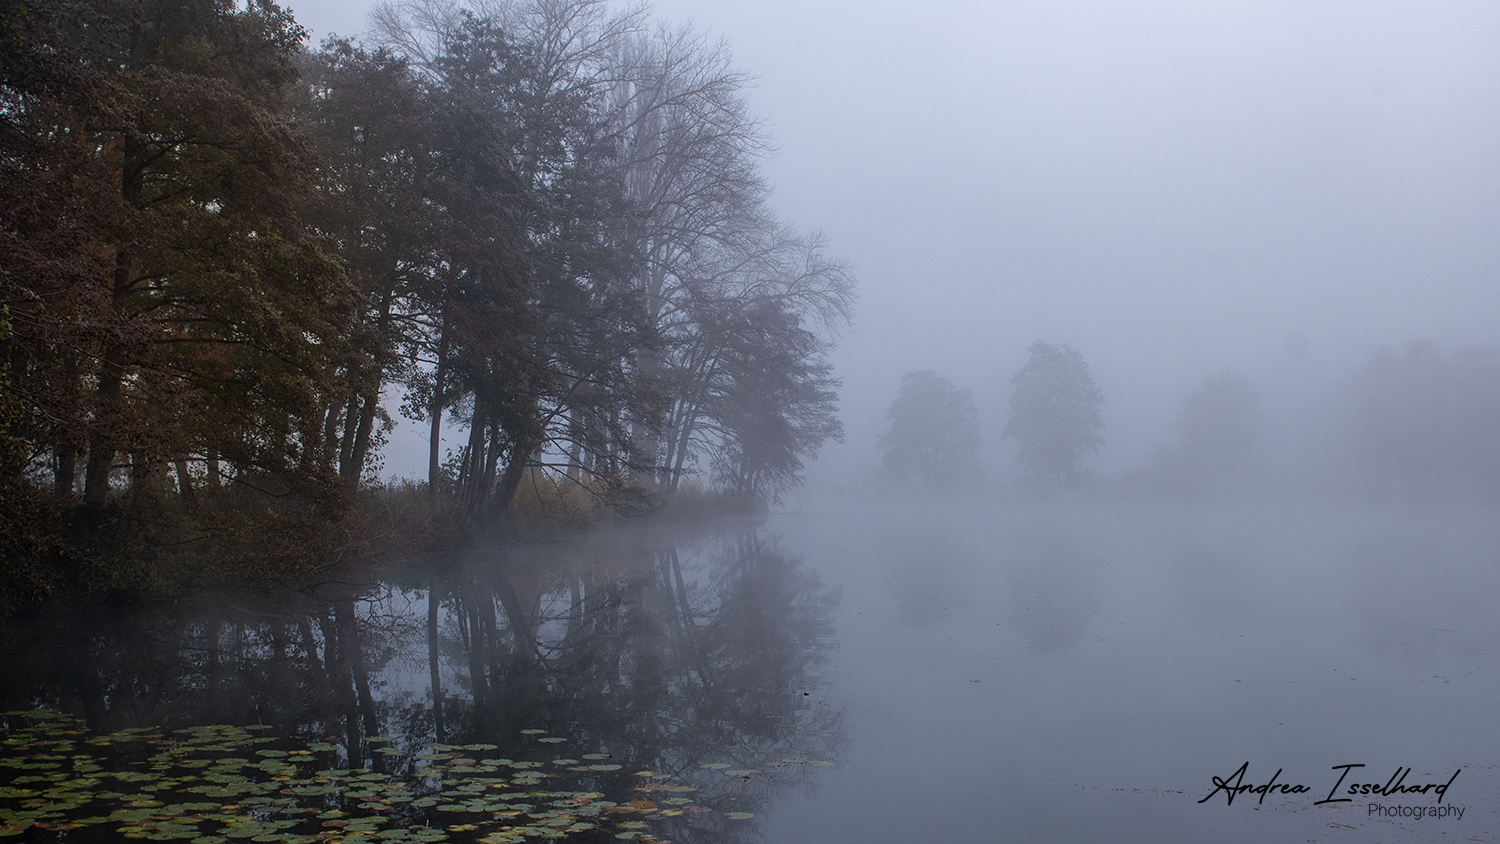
1414	425
538	221
1420	425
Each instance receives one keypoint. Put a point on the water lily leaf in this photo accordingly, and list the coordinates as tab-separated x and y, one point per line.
739	816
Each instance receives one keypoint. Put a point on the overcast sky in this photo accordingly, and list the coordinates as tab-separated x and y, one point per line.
1171	188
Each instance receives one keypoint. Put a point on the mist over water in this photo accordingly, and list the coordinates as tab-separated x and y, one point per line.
1078	672
1055	670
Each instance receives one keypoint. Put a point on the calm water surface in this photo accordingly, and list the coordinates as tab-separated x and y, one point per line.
871	674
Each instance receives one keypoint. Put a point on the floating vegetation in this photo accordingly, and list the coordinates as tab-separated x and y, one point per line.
221	784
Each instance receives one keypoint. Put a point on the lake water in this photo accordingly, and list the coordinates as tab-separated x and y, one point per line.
861	673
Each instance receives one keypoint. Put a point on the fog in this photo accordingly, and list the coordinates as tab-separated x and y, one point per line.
1174	363
1168	187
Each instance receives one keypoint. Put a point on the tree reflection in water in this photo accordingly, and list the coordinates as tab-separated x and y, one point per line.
665	653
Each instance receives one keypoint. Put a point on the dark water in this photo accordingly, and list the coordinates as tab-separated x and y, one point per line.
1003	673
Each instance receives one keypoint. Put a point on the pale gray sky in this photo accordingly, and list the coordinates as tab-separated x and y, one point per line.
1169	187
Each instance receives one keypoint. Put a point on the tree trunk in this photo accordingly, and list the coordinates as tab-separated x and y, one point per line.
370	398
351	426
110	390
515	467
435	433
185	486
473	492
352	471
102	444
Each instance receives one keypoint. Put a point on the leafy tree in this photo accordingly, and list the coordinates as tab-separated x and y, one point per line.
487	287
183	315
1054	411
372	127
773	404
646	232
934	433
534	84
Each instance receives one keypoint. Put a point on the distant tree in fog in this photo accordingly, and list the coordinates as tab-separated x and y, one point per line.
1220	429
934	434
1424	425
1055	413
1219	440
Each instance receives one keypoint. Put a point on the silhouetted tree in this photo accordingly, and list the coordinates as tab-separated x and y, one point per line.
374	131
648	233
1054	411
934	433
170	310
772	404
